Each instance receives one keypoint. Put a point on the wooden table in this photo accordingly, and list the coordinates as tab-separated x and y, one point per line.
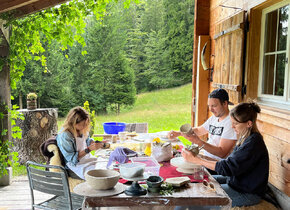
195	194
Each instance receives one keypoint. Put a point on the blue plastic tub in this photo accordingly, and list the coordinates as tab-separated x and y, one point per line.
114	127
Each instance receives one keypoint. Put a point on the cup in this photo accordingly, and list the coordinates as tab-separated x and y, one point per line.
198	173
122	136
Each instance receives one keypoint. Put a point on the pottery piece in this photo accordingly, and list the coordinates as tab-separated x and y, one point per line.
178	181
102	179
186	128
194	149
131	170
154	181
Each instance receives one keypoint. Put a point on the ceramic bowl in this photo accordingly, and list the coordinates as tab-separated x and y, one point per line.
154	181
102	179
131	170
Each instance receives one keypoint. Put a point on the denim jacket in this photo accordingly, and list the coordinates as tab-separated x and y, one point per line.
67	145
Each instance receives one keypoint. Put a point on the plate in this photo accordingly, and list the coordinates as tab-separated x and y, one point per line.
138	178
179	162
84	189
186	171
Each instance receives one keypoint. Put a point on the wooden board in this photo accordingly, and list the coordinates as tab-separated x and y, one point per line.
229	46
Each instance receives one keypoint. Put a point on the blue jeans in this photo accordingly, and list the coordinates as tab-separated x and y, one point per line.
238	198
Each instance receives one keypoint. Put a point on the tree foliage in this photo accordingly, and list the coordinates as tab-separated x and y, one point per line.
102	53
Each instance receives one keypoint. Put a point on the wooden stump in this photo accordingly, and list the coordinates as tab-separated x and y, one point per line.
39	125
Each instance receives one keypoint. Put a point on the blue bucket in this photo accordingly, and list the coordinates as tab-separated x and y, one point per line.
114	127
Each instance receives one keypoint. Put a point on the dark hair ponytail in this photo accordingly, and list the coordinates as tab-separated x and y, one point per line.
245	112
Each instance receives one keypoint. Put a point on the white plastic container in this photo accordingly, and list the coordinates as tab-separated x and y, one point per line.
152	166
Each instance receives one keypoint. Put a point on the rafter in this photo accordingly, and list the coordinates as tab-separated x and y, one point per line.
25	7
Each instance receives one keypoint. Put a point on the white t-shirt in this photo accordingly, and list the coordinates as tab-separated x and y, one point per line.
217	130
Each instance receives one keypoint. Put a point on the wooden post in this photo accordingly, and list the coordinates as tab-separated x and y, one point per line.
5	99
201	27
202	83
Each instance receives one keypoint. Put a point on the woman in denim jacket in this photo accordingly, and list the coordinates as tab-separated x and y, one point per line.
75	144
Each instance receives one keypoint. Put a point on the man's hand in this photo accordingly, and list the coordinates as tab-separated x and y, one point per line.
193	138
173	134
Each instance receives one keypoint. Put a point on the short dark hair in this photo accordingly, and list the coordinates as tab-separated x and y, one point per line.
220	94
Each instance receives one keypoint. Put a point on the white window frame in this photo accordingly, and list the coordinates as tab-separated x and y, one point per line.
272	100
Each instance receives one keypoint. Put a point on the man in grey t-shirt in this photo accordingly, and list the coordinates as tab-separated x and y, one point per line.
221	136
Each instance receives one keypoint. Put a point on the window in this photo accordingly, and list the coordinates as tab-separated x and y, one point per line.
275	44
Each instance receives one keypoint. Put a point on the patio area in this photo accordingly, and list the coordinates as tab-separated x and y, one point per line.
17	195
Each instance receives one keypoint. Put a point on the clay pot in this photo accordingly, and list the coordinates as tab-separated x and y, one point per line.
187	129
31	104
102	179
194	149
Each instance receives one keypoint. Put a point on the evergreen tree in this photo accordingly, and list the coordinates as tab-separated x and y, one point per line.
179	18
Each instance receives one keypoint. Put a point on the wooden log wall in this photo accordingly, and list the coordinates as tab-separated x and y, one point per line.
274	123
275	128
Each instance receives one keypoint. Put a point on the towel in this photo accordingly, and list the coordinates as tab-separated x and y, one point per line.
121	154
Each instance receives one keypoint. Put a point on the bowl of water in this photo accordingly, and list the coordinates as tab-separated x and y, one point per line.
114	127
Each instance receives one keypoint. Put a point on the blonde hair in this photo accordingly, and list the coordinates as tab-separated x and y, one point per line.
75	116
245	112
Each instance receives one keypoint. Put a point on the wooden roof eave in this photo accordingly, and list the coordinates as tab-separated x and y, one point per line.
22	8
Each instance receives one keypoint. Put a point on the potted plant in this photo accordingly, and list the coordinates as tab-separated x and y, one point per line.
31	101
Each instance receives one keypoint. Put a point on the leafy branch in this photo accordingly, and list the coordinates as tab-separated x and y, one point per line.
64	23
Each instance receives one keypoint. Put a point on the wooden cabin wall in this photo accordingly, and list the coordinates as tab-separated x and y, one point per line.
274	123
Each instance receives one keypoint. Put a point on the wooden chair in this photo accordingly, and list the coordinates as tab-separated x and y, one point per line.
137	127
54	183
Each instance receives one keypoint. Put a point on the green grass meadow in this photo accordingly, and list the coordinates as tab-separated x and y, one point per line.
163	110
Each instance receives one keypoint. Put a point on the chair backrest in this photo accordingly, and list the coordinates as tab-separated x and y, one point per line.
137	127
43	180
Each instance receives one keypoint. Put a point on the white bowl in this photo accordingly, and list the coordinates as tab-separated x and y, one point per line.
102	179
131	170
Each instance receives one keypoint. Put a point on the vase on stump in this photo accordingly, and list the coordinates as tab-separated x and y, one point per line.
31	101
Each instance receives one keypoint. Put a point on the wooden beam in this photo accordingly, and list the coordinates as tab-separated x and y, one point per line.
26	7
202	83
201	27
8	5
5	93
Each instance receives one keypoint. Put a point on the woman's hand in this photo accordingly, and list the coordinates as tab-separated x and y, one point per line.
96	145
173	134
189	157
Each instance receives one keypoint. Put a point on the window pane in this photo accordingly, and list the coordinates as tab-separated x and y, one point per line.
280	73
283	27
270	31
268	74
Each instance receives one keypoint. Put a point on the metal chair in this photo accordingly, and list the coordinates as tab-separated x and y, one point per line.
55	183
137	127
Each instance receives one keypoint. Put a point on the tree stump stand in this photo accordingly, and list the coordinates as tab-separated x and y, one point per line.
39	125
